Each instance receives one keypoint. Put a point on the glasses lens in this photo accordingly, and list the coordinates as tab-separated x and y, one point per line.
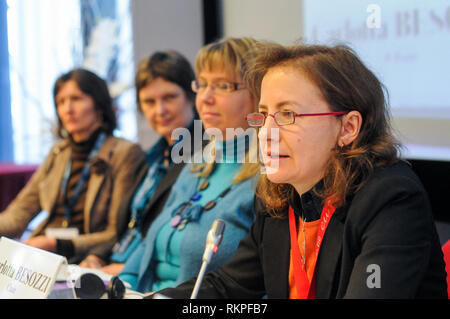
194	86
284	118
255	119
223	87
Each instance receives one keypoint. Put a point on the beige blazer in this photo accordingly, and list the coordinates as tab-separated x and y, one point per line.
113	172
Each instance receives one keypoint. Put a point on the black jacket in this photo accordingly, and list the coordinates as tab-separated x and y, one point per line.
388	223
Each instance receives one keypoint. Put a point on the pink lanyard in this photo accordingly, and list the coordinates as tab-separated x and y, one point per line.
302	284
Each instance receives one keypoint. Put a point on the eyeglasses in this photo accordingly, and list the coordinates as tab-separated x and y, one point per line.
282	117
219	87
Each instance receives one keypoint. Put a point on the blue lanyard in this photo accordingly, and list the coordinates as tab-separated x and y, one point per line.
83	179
141	199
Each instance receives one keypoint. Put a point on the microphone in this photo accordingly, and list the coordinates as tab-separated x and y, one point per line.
213	241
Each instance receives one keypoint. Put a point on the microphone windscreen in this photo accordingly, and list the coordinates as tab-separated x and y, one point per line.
218	227
89	286
217	230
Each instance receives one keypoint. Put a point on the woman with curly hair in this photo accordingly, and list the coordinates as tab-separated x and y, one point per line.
339	214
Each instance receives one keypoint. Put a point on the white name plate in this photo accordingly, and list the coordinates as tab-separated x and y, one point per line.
27	272
62	233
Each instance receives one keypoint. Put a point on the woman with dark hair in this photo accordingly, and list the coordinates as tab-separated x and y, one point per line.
339	214
90	84
164	97
84	178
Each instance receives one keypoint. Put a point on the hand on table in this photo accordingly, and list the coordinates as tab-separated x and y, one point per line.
113	269
93	262
42	242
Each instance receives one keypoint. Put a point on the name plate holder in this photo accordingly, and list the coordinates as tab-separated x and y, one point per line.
27	272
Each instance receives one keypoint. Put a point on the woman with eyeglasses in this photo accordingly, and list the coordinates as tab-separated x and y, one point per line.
338	214
219	187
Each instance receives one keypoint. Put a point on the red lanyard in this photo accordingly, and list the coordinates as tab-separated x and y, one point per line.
302	284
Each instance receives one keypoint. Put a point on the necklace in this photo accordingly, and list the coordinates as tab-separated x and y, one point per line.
181	218
166	160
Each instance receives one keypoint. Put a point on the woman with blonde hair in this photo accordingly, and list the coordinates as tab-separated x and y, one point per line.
218	188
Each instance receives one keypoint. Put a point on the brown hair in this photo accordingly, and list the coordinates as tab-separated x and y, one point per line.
346	84
94	86
168	65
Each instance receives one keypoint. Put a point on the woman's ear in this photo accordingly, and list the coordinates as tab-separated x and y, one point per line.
351	125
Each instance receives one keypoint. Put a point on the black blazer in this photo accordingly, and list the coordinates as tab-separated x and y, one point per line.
387	223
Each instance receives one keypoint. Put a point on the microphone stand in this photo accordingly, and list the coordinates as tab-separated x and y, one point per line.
213	240
198	283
